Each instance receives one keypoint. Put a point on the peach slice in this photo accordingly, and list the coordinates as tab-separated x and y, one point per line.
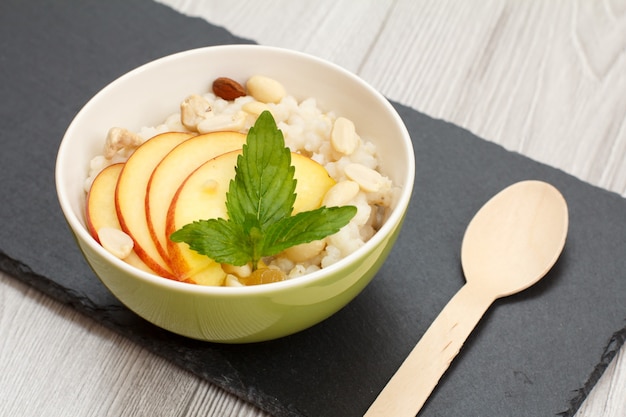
171	172
101	212
130	196
203	196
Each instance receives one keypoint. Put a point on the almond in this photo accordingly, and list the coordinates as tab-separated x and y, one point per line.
227	88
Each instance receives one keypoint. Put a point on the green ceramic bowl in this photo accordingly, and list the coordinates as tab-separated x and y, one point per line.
145	97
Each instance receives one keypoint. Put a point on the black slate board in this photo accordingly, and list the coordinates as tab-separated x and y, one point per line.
537	353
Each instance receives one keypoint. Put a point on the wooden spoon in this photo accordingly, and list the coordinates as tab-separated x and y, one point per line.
509	245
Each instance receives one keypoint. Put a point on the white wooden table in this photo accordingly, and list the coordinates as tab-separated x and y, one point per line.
544	78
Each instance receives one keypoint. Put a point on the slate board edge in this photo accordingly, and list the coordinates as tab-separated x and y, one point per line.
102	315
272	405
615	343
66	296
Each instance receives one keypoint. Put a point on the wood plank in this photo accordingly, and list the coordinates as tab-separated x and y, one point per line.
56	362
541	78
527	75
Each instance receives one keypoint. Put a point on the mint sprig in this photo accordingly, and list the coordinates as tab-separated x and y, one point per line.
259	204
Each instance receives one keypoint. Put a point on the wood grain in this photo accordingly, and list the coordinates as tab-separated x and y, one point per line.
56	362
541	78
545	79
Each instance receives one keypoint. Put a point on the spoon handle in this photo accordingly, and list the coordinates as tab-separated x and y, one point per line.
411	385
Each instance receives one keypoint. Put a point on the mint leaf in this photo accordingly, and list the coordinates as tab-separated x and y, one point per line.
305	227
217	237
259	203
264	183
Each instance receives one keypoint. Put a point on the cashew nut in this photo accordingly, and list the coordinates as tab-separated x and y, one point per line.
305	251
119	138
343	137
341	194
232	281
265	89
216	123
255	108
243	271
193	110
116	241
368	179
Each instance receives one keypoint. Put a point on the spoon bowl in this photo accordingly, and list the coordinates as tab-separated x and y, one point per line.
515	238
509	245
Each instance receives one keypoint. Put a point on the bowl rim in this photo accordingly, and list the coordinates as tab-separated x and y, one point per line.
394	220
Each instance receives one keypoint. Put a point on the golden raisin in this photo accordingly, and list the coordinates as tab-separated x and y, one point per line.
263	276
